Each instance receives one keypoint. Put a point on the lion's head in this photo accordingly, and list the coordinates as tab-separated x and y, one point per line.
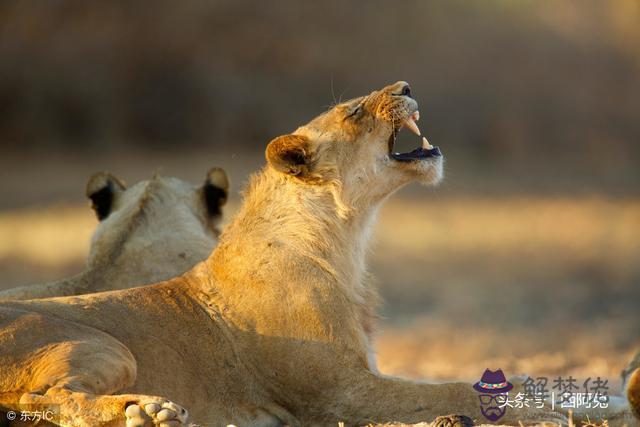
151	231
352	144
157	228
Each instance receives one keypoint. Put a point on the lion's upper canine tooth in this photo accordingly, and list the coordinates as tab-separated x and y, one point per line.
425	144
412	125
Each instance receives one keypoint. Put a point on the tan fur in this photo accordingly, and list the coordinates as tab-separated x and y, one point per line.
157	229
631	384
274	328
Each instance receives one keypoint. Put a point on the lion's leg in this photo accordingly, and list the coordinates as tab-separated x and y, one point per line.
81	395
373	398
79	408
72	370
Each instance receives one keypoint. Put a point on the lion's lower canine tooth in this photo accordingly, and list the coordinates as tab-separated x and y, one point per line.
425	144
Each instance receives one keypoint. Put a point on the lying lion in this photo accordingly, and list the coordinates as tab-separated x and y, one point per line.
150	232
273	328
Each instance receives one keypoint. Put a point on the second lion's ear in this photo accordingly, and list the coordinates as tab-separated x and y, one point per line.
215	191
103	189
290	154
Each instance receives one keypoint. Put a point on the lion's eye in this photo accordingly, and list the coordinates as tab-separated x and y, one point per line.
356	111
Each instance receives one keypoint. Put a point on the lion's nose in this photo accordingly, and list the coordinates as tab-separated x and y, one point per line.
401	89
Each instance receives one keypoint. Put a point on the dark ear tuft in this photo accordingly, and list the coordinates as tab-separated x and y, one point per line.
290	154
215	191
102	189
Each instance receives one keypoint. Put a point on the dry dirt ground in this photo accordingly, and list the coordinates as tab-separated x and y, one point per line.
539	286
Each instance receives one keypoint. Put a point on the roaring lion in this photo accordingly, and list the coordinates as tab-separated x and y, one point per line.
152	231
273	328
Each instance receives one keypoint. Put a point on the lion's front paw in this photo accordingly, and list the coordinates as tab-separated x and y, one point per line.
452	421
155	412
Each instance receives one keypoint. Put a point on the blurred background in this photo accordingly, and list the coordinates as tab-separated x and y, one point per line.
527	258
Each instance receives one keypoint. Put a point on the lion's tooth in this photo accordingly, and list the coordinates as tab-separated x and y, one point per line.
412	125
416	116
425	144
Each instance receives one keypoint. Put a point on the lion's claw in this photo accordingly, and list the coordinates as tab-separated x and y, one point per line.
162	413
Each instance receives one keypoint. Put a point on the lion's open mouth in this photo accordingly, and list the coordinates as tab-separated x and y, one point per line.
425	150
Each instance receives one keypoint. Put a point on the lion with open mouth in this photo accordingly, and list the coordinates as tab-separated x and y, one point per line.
274	327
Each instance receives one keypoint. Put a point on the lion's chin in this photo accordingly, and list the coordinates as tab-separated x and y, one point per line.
430	171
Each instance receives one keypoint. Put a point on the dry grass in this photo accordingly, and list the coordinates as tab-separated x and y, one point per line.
440	351
532	285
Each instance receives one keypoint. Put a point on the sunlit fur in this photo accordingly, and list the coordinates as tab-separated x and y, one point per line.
157	229
631	384
273	328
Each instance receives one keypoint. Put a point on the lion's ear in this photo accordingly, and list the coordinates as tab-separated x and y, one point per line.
102	189
290	154
215	191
